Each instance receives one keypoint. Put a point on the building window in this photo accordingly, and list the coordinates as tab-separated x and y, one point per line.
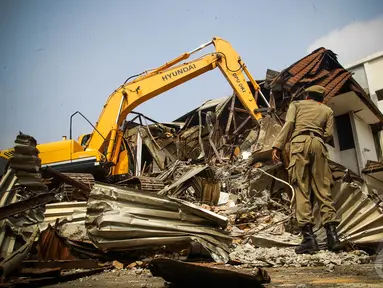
379	94
377	145
344	129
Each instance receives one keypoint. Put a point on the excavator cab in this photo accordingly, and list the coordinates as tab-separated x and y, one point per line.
83	139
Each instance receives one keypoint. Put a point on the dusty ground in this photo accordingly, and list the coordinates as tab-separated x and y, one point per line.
306	277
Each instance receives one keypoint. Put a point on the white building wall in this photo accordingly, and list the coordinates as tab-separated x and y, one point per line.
374	73
349	160
356	158
369	74
334	152
359	74
364	141
374	76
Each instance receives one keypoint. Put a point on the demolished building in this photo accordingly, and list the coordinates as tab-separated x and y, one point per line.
207	178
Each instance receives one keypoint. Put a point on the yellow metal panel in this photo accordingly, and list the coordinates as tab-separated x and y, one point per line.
122	164
64	151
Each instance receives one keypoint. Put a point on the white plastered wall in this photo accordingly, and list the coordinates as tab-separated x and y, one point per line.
364	141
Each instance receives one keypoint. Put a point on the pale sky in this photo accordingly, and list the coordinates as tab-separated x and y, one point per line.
57	57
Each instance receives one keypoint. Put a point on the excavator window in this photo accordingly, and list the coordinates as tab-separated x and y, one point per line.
84	140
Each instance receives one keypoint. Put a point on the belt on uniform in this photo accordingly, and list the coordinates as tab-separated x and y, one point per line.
311	133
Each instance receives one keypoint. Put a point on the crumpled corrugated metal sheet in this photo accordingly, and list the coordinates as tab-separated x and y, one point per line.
361	217
68	218
65	212
120	219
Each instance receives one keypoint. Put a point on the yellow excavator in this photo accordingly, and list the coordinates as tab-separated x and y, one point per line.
105	152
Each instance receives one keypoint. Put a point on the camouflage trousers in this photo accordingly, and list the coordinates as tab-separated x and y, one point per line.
309	173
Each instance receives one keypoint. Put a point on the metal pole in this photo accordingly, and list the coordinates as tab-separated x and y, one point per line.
200	47
138	154
119	109
264	98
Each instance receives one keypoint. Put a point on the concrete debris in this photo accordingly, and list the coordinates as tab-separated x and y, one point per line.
118	265
286	257
194	183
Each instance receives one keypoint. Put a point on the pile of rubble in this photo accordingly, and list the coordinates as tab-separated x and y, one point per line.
286	257
204	188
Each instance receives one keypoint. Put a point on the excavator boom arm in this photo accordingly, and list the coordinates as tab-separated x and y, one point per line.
129	95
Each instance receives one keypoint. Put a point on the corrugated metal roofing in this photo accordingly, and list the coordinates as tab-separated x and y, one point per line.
361	218
64	211
120	219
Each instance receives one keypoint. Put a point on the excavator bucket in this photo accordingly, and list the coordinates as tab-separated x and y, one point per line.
269	128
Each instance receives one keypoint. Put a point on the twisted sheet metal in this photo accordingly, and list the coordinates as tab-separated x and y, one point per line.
120	219
361	216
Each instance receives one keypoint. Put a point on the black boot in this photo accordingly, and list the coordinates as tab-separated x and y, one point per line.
333	242
309	244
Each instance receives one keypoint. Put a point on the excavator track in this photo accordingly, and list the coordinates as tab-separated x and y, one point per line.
144	183
73	193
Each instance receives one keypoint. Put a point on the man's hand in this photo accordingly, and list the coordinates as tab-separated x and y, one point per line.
276	155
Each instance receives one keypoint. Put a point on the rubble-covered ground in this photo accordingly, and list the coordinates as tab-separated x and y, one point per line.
304	277
286	257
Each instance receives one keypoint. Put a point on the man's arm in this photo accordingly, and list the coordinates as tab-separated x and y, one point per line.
287	128
329	128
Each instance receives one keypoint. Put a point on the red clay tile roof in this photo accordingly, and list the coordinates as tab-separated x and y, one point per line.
321	67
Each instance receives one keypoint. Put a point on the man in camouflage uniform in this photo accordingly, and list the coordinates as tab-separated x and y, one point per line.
309	125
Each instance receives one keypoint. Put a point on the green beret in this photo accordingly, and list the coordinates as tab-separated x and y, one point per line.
316	89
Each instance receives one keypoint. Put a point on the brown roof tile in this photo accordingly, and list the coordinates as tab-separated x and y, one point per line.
306	67
301	64
334	86
320	67
316	77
